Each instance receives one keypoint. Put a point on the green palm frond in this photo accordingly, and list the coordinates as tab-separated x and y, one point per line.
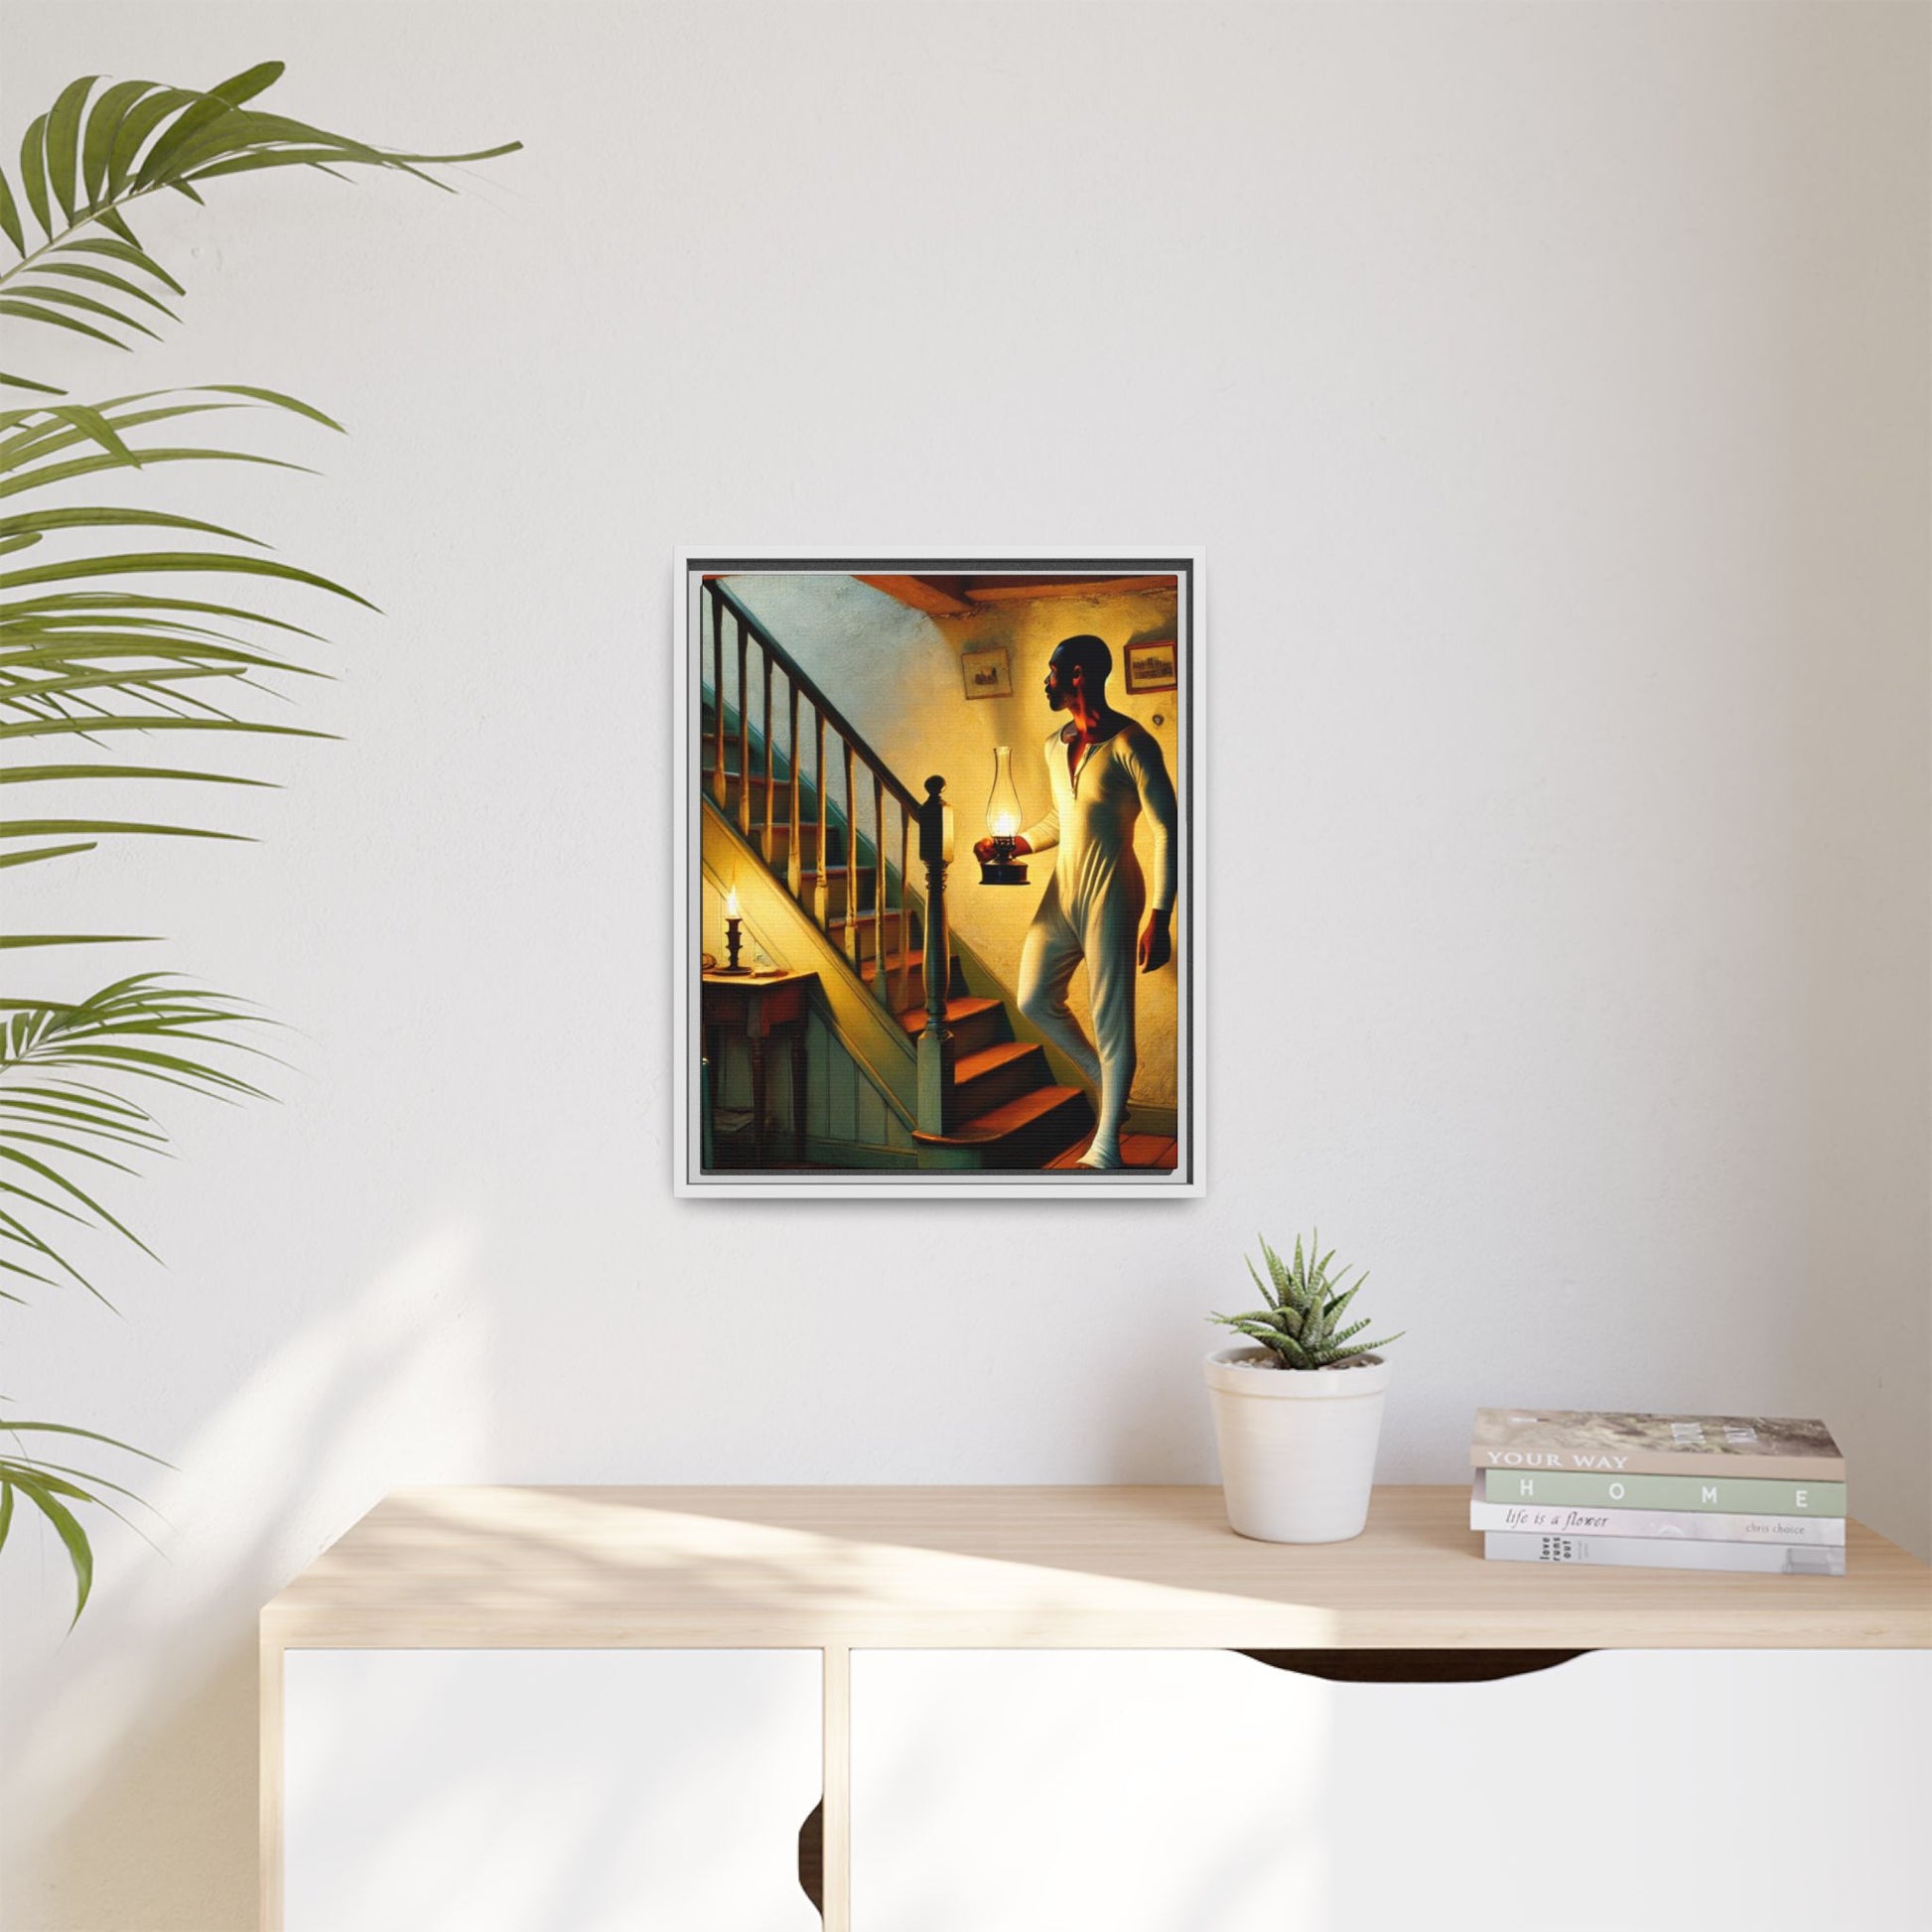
84	655
58	1120
53	1488
1301	1324
87	161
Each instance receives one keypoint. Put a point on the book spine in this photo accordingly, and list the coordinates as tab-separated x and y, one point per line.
1690	1525
1735	1495
1641	1553
1659	1463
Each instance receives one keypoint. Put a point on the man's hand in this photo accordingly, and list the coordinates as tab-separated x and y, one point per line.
1155	948
984	850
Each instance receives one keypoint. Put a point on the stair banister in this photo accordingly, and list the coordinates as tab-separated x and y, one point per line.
937	1107
824	706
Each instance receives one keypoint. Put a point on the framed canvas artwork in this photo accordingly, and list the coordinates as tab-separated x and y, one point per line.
926	947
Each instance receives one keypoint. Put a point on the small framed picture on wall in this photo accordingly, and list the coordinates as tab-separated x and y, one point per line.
986	674
1151	667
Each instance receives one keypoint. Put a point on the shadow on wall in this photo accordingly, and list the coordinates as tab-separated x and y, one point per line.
139	1812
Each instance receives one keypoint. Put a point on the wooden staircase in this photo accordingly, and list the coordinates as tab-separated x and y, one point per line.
986	1099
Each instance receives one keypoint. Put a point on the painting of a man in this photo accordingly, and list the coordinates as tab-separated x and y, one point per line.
866	1012
1105	770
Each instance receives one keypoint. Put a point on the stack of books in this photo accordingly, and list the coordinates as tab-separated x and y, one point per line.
1663	1492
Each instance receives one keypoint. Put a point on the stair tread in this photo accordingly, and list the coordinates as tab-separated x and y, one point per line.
868	969
913	1018
969	1066
865	917
1006	1118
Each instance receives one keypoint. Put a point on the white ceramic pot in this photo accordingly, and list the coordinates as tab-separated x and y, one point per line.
1298	1445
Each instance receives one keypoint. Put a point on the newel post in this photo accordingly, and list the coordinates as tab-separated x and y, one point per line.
935	1044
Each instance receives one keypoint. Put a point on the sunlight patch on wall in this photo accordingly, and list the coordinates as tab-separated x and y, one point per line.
391	1388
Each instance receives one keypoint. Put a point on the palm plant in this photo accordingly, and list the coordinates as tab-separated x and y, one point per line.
1301	1322
102	647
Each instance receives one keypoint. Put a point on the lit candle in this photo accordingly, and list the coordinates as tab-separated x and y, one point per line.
734	934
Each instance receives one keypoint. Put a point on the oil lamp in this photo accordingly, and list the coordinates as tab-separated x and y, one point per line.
1001	867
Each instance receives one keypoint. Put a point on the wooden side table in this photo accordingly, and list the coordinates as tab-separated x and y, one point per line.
755	1006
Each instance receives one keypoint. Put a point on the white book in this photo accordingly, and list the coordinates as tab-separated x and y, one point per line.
1667	1525
1647	1552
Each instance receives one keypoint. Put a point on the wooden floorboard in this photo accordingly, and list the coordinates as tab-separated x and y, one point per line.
1148	1151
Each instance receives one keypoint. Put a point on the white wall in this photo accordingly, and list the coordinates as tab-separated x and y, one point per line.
1547	385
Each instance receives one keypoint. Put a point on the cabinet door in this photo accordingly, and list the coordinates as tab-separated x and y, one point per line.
534	1790
1200	1791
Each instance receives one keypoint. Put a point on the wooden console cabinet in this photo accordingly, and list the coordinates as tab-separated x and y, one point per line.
570	1708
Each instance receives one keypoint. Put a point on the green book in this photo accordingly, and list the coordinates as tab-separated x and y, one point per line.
1750	1495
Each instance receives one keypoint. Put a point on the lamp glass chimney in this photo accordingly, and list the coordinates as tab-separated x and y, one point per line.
1002	804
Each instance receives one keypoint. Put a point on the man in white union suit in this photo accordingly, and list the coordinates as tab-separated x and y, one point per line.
1105	770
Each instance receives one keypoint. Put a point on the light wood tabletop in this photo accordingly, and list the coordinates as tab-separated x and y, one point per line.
1049	1567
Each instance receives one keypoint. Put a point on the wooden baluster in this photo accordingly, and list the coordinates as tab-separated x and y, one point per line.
744	733
719	783
851	861
904	913
792	839
936	1105
771	775
881	984
821	840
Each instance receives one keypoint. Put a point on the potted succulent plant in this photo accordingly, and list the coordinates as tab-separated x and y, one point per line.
1297	1416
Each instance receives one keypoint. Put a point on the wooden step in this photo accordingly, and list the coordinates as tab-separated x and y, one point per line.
914	963
992	1076
972	1023
759	783
902	933
835	881
808	837
1026	1134
708	770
